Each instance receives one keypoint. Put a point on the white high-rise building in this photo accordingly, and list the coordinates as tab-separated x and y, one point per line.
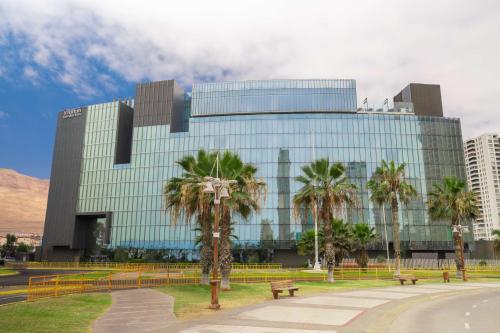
482	160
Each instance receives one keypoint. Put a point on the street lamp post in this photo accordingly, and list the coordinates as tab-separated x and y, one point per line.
220	189
317	266
385	230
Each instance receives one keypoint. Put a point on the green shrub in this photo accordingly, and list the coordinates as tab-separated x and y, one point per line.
483	263
253	258
380	259
120	255
22	247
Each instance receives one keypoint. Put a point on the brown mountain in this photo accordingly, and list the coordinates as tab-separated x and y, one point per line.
23	201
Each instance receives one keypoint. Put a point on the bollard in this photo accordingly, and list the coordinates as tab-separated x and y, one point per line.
446	277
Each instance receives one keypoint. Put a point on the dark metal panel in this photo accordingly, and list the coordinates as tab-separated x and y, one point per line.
283	184
159	103
179	123
426	99
124	134
65	177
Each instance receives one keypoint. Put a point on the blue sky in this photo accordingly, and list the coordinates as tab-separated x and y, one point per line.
27	127
61	54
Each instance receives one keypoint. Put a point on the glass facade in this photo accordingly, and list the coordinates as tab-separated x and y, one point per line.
274	96
278	144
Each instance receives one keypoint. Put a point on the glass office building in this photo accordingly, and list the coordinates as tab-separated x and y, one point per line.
112	160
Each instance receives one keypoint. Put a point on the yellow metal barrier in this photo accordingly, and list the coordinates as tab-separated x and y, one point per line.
62	284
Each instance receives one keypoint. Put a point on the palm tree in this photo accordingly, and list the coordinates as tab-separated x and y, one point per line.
244	199
450	200
305	245
393	188
325	187
378	196
184	197
342	240
363	236
9	248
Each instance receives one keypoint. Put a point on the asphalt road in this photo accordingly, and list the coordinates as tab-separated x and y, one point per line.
478	313
12	298
22	278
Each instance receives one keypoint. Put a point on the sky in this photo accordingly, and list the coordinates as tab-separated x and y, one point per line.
63	54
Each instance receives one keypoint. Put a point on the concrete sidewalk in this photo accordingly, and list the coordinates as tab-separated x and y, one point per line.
137	311
147	310
329	312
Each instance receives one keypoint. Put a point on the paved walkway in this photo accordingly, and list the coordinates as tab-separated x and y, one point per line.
146	310
330	312
137	311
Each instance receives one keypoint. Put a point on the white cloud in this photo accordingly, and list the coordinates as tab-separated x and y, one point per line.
383	45
30	73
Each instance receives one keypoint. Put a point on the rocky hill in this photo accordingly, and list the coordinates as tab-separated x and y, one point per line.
23	201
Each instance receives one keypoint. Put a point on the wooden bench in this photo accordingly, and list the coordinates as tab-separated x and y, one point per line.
404	278
280	286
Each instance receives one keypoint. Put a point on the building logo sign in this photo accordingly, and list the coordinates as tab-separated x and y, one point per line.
72	113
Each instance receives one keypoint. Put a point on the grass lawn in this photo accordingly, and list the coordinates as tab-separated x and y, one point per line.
7	271
74	313
91	275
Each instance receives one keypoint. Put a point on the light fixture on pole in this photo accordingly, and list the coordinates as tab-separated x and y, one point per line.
220	189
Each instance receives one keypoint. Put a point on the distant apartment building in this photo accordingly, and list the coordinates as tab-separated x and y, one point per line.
482	159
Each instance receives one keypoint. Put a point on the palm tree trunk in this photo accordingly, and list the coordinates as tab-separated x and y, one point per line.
362	258
329	249
226	257
395	236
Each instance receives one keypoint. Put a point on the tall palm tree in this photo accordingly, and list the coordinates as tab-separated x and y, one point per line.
363	236
379	197
184	197
325	189
450	200
244	199
393	188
